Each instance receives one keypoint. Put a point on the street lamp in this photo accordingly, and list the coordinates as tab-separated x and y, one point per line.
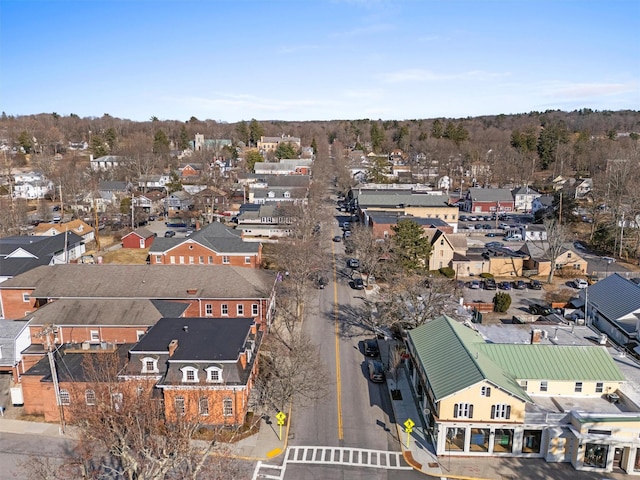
609	262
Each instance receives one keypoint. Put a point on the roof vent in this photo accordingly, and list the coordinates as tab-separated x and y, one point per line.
185	328
192	291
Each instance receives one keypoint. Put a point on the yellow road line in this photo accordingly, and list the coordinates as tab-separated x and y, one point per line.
336	329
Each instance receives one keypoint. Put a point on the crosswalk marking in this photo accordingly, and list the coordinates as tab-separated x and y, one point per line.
358	457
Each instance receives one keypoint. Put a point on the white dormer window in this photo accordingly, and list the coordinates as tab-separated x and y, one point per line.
214	374
287	195
271	195
149	365
189	374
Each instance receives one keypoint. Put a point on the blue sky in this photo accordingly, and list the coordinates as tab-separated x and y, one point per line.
317	59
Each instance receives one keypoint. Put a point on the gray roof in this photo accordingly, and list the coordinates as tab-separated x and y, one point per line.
390	198
43	249
142	232
163	282
279	193
114	186
216	236
389	218
490	195
282	180
106	312
524	191
616	297
9	331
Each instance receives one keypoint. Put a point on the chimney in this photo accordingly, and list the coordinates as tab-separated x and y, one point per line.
536	335
173	344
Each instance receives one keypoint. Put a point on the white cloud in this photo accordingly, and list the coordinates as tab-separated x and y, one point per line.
587	90
421	75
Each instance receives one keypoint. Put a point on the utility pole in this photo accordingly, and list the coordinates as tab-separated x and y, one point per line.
46	332
95	225
621	234
560	211
61	204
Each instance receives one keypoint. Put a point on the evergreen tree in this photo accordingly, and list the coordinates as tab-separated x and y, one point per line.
183	140
255	132
551	136
377	137
242	129
286	150
111	138
160	142
174	184
412	248
436	129
98	146
251	157
26	141
314	146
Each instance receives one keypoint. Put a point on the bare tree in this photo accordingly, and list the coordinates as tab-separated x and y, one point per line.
372	252
553	246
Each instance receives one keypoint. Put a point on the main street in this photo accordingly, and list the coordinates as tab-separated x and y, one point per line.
356	413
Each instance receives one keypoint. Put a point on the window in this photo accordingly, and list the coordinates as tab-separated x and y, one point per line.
192	260
479	440
524	385
179	405
247	260
210	259
456	438
568	254
501	410
227	407
172	260
116	399
224	309
181	259
544	386
287	195
149	365
25	297
578	387
214	374
189	374
208	309
225	259
158	259
254	309
531	441
201	260
599	387
595	455
139	334
485	391
90	397
95	335
463	410
65	397
240	310
503	440
203	406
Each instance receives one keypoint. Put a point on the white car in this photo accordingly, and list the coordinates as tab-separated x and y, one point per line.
580	283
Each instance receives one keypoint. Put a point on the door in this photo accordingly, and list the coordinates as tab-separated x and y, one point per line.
617	458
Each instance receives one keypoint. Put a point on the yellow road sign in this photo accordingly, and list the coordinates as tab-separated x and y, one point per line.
409	424
281	416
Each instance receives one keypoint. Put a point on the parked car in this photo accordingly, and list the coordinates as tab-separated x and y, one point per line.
494	245
486	226
462	218
490	284
505	285
337	238
580	283
474	285
346	225
371	347
472	219
322	282
353	263
520	285
490	234
376	371
516	237
535	285
347	233
169	234
358	284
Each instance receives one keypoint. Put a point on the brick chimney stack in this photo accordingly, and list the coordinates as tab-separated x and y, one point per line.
173	344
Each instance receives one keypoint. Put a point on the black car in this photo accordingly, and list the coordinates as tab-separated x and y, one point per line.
490	284
537	309
371	348
353	263
169	234
505	285
358	284
535	285
520	285
337	238
376	371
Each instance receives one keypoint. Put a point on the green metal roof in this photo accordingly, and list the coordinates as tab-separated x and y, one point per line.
554	362
452	359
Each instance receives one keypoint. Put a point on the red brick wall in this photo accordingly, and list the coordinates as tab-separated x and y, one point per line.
216	397
193	250
82	333
13	306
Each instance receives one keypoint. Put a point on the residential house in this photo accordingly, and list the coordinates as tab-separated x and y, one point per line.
583	188
139	238
31	186
14	338
210	201
153	182
537	260
521	400
443	248
263	182
301	166
77	226
118	189
544	203
20	254
613	307
523	198
489	200
381	223
188	171
263	221
218	290
179	201
209	144
107	162
269	144
206	366
294	196
214	244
